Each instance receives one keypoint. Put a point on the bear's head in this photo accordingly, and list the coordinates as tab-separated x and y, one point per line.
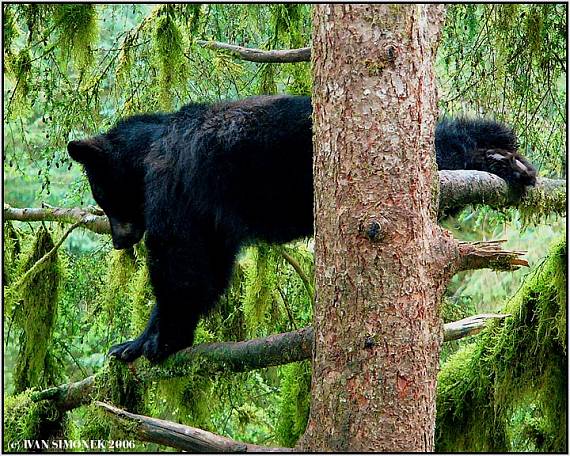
117	185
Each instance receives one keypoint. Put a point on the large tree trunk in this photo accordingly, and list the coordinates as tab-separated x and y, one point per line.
380	257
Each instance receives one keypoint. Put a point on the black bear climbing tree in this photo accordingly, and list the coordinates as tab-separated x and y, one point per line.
381	261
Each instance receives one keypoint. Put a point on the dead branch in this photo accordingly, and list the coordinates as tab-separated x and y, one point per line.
179	436
259	55
258	353
469	326
488	254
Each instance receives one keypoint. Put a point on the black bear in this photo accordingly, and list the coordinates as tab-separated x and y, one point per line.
205	180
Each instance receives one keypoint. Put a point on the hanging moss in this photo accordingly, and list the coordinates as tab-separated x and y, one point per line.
259	305
34	303
19	67
169	53
508	390
12	249
267	84
10	28
142	297
543	204
116	300
226	322
295	400
78	31
187	400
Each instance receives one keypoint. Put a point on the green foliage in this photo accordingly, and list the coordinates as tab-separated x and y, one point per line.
509	61
19	68
513	375
10	29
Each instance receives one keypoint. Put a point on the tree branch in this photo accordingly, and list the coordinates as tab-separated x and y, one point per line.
488	254
258	353
259	55
179	436
457	189
297	267
469	326
463	187
96	223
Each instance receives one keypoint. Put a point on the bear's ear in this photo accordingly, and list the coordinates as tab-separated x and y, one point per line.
85	151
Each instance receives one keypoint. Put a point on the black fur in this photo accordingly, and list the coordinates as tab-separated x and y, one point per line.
206	180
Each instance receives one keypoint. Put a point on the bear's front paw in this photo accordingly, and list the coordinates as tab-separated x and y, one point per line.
149	346
127	351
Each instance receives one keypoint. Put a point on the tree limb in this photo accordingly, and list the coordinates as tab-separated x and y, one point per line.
457	189
259	55
469	326
96	223
488	254
463	187
297	267
258	353
179	436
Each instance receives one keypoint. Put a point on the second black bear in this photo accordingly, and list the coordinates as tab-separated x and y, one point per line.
205	180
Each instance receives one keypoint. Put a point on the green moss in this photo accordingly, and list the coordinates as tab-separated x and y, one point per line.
294	403
25	419
21	418
12	250
142	296
169	48
19	68
10	28
116	300
540	204
78	31
260	284
512	379
34	304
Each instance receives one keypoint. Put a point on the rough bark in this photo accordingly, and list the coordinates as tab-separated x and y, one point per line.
179	436
381	261
259	55
259	353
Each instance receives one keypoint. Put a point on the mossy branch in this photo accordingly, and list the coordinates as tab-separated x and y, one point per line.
457	189
274	350
259	55
463	187
38	264
179	436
